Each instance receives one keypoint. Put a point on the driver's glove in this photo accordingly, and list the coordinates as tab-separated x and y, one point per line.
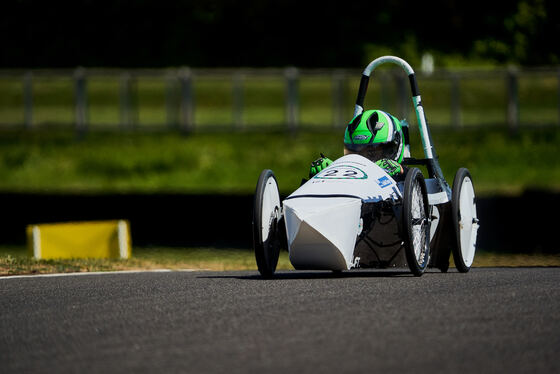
318	165
391	167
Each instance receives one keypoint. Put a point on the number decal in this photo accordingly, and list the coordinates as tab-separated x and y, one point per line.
350	173
331	173
342	172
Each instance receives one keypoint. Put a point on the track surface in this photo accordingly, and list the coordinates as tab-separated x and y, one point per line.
489	320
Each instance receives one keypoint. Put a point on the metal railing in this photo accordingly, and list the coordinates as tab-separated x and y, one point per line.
291	98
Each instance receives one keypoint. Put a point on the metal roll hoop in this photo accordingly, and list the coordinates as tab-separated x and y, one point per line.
427	143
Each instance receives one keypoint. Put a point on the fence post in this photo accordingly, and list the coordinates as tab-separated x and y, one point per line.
402	97
558	77
238	81
187	100
292	97
28	100
456	101
338	94
80	97
171	100
513	101
126	102
384	90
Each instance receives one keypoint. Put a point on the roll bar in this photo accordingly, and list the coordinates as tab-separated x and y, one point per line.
427	143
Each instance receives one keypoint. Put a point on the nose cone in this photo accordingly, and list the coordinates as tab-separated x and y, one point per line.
322	231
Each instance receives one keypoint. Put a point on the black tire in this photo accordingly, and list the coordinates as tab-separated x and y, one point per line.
444	238
416	223
463	208
444	267
267	235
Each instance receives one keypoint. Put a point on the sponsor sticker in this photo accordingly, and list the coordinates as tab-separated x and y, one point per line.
384	181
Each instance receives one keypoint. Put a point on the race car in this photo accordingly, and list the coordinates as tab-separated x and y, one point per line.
354	215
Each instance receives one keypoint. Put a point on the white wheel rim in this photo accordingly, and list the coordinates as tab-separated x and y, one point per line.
270	206
418	224
468	221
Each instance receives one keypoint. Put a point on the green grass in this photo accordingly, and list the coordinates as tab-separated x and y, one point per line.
15	260
56	161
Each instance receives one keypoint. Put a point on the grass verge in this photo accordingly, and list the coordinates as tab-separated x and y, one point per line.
15	261
500	163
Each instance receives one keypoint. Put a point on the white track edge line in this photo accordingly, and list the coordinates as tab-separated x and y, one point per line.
82	273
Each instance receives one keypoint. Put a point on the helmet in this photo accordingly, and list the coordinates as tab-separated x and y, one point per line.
375	135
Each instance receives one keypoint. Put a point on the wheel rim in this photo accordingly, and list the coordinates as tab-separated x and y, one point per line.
270	207
468	221
419	224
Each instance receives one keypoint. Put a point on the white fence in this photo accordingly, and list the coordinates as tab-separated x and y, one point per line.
291	98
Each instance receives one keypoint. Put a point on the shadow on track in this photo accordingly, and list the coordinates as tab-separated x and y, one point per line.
297	275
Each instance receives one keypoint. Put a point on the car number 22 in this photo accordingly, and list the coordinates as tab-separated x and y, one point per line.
342	172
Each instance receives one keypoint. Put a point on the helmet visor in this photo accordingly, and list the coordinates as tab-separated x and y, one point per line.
374	152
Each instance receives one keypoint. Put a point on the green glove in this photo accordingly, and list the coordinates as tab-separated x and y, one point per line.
318	165
391	167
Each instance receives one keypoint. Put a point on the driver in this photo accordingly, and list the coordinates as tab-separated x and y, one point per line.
376	135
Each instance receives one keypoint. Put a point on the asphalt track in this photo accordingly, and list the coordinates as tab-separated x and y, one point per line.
489	320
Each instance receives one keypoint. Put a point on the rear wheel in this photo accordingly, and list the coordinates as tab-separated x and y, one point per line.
416	224
267	230
465	220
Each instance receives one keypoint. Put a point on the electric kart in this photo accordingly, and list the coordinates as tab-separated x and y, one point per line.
354	215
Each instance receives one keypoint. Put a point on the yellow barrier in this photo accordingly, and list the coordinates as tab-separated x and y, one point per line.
96	239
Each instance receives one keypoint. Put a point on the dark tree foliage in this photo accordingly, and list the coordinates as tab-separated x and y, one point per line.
148	33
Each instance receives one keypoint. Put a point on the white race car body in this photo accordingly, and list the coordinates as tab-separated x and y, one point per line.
323	217
353	214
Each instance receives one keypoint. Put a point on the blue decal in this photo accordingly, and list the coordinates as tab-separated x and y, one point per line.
383	182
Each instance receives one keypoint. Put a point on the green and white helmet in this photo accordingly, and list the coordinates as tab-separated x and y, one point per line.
375	135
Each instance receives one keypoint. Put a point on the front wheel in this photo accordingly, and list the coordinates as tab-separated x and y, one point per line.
416	223
465	220
267	238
